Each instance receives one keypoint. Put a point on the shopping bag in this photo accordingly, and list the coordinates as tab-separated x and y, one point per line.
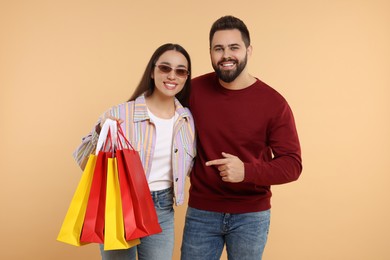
138	205
72	225
130	225
114	236
93	228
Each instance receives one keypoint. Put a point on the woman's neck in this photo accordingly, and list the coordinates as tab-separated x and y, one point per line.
161	107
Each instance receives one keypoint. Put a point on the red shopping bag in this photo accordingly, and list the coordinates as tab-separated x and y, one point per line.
131	230
140	217
93	228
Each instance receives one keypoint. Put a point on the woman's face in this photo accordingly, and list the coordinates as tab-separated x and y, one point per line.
170	73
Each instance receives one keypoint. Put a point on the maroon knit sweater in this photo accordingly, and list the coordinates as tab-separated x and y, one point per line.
257	125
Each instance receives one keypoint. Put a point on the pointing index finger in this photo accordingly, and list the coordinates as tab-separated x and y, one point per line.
216	162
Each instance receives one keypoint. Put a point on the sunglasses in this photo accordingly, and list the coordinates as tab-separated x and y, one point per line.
180	72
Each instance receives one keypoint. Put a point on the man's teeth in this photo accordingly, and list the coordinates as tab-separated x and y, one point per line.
227	64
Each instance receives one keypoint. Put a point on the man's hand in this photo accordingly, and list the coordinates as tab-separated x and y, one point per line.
230	168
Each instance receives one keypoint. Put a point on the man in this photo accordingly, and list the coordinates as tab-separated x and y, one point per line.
247	141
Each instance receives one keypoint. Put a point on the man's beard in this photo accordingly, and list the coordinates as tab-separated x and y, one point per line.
230	75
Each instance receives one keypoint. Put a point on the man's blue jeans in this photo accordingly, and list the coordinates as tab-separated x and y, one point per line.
155	247
206	233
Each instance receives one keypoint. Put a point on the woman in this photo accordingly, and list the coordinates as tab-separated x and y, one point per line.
159	126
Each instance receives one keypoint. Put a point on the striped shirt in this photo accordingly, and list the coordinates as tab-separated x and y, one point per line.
140	131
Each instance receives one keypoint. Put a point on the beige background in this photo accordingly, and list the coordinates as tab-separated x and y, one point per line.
62	63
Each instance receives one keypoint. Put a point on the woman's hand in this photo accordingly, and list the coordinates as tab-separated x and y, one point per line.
98	127
112	118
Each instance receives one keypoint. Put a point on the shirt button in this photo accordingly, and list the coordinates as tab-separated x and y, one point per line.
176	179
175	150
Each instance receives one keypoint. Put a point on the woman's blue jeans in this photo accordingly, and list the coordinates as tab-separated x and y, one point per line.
206	233
155	247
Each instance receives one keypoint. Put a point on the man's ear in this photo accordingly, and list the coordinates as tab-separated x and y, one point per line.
249	50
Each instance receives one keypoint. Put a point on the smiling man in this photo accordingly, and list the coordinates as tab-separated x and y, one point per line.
246	141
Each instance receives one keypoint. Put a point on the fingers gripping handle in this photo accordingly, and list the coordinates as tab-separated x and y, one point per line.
110	130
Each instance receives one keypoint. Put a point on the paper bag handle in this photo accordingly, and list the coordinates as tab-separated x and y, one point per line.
109	128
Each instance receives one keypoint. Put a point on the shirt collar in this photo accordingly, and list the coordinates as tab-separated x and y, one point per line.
141	110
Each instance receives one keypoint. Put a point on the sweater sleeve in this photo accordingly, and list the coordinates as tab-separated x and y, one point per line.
280	162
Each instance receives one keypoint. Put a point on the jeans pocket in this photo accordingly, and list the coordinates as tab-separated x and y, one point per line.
164	200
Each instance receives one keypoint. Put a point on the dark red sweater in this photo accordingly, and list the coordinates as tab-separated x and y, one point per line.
257	125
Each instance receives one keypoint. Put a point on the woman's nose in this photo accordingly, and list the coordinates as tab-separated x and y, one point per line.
172	74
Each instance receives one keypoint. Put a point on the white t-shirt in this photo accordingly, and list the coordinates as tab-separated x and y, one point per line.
161	171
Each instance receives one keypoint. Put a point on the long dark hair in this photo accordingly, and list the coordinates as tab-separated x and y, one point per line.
147	86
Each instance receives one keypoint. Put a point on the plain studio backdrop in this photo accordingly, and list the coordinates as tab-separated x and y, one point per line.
62	63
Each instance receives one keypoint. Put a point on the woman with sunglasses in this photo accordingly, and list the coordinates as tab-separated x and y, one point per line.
160	127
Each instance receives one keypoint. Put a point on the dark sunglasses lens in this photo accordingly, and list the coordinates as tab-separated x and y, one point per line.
181	72
178	72
164	68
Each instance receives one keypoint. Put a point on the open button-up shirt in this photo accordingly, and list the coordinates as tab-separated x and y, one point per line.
141	132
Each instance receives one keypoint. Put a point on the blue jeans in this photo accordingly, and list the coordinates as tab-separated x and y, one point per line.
158	246
206	233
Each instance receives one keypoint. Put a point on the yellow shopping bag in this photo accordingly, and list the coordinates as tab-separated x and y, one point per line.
74	219
114	231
